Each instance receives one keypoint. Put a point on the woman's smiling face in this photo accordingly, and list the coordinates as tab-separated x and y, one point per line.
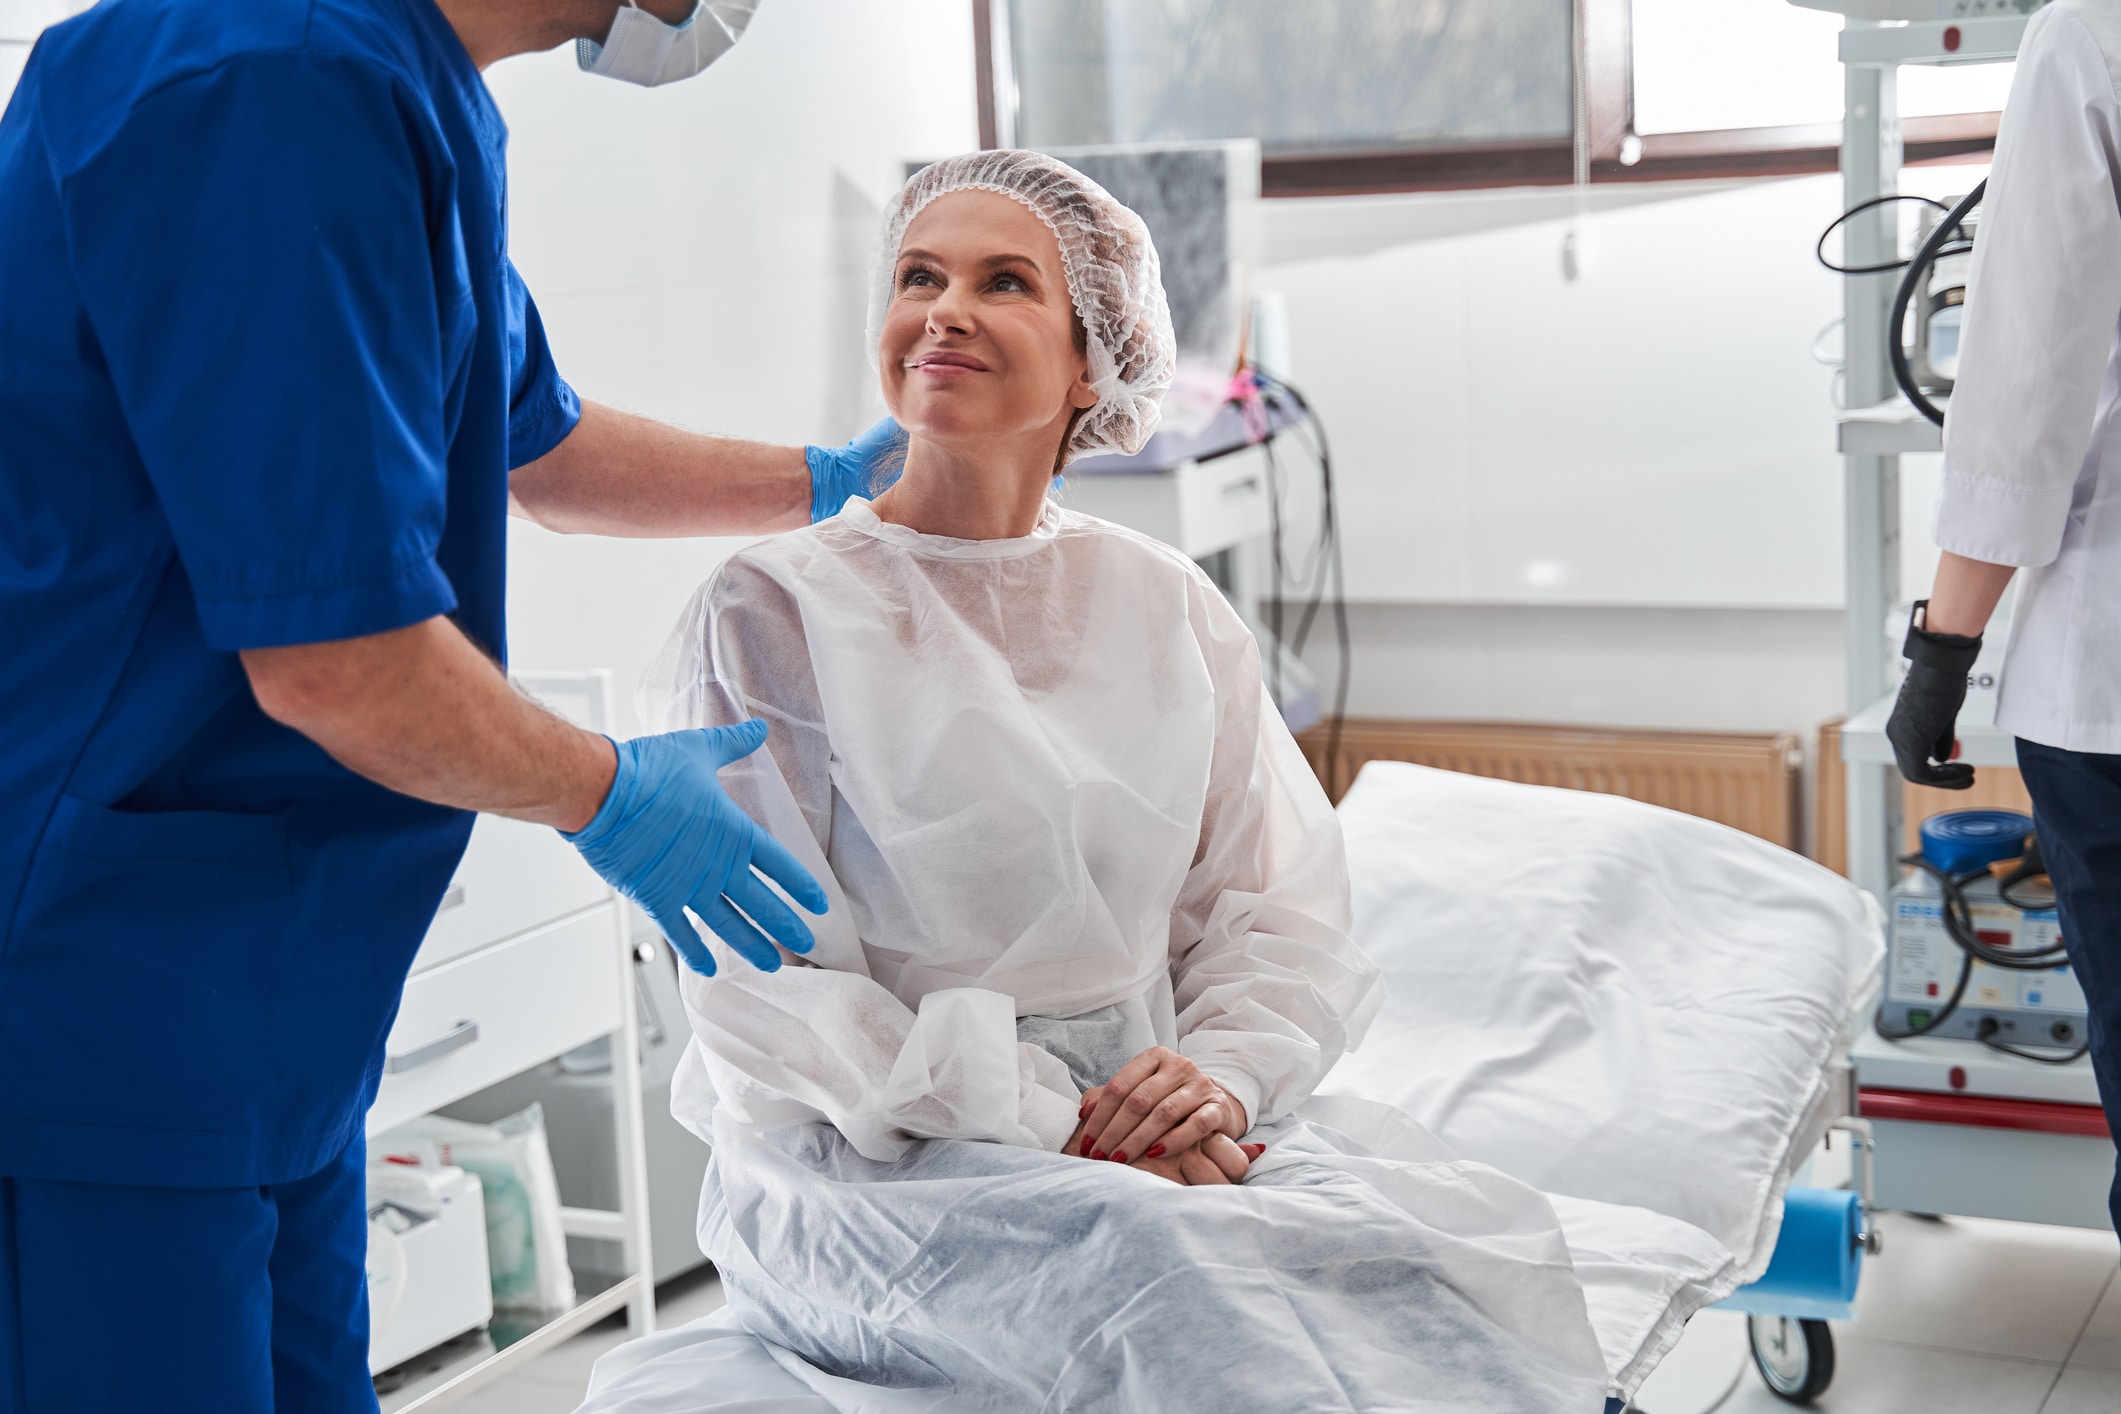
980	338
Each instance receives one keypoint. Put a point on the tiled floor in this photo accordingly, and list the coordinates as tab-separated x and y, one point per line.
1956	1316
555	1383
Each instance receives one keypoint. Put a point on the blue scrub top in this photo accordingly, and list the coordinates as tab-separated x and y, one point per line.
264	370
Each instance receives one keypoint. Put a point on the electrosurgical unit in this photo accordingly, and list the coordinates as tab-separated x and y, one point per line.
1975	947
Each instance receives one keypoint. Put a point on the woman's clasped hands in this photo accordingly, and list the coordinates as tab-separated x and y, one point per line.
1161	1113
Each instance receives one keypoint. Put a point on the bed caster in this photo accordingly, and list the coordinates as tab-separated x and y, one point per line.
1795	1357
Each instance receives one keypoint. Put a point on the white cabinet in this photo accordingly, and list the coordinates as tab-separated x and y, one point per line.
480	1018
527	958
1197	507
514	877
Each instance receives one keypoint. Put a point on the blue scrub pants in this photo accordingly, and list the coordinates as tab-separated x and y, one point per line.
117	1300
2077	810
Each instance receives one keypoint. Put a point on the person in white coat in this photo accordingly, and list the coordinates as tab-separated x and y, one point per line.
2032	487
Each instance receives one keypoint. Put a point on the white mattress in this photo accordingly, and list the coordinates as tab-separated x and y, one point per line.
1631	1009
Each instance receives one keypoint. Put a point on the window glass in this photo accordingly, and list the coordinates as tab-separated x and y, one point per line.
1295	74
1767	63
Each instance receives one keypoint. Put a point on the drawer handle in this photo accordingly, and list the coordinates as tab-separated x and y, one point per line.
456	1038
452	897
1236	488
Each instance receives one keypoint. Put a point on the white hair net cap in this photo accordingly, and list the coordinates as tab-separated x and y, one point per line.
1114	281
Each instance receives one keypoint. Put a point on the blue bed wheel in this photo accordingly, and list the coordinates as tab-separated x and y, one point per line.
1795	1357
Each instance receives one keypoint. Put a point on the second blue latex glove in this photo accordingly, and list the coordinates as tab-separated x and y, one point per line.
668	838
863	467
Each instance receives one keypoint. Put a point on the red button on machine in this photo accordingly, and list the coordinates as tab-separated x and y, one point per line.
1951	39
1957	1078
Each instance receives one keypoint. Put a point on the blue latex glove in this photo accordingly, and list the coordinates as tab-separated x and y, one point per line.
667	837
863	467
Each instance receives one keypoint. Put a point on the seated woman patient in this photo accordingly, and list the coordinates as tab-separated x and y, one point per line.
1088	946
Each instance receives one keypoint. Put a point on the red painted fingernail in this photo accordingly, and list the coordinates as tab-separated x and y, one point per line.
1120	1157
1255	1150
1156	1151
1085	1150
1097	1154
1084	1112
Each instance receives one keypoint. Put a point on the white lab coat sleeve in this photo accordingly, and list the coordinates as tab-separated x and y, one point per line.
820	1039
1269	985
2043	302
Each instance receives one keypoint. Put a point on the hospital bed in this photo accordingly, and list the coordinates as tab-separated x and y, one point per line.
1643	1014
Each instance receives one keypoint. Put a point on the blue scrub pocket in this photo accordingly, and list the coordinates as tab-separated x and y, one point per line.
161	1026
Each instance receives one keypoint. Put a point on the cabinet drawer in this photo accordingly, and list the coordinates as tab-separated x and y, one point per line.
514	877
1222	502
483	1017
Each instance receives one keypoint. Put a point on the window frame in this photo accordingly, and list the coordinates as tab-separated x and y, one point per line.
1606	60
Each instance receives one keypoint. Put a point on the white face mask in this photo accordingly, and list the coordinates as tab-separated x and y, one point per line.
645	50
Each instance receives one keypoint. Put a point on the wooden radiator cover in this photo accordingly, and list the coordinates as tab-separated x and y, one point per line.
1745	780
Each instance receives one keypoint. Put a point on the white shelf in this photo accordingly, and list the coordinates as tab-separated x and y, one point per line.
457	1367
1890	429
1990	39
1981	742
1926	1063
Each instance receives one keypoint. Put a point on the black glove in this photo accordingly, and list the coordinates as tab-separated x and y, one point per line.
1925	719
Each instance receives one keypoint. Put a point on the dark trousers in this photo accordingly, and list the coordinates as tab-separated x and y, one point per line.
117	1300
2077	809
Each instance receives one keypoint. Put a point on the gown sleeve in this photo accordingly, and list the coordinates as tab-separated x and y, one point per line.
2043	299
1270	988
820	1039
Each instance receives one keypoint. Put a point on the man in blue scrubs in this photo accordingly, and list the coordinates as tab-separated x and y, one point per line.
269	386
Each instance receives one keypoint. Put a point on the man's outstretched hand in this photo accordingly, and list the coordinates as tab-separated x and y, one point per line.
669	839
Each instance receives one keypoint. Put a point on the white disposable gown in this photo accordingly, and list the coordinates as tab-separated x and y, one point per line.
1058	822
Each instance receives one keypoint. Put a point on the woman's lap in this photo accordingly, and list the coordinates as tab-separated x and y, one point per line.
1346	1271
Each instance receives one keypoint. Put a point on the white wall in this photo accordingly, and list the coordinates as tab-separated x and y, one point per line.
1652	433
699	253
1612	501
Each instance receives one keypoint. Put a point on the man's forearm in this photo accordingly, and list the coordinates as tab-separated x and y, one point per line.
423	712
617	474
1964	595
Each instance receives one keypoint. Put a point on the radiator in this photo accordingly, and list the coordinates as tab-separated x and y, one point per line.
1748	781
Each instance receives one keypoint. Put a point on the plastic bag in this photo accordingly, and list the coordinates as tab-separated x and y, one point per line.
525	1244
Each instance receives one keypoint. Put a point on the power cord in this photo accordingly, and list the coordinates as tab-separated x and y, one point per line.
1324	565
1938	244
1959	927
1986	1035
1858	209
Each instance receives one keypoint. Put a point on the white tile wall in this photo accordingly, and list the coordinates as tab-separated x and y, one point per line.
1671	668
1641	461
1653	433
